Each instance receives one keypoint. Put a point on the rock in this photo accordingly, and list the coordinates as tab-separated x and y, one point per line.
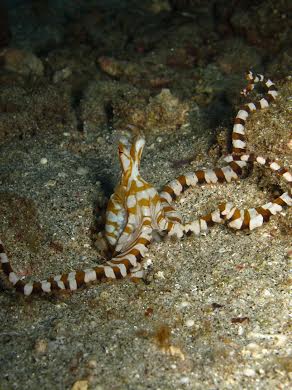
22	62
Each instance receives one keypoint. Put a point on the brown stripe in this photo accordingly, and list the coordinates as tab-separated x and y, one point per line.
159	218
37	288
269	98
182	180
201	176
238	150
6	268
265	213
220	175
280	202
246	220
236	215
126	263
258	105
99	273
236	136
19	286
143	202
281	171
117	272
169	226
54	284
79	277
142	241
222	207
170	191
175	219
239	121
208	219
235	167
273	88
2	250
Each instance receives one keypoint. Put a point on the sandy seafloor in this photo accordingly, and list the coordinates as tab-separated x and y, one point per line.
214	312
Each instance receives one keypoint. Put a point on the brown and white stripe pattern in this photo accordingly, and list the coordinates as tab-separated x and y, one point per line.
134	211
119	267
230	172
238	133
247	218
235	218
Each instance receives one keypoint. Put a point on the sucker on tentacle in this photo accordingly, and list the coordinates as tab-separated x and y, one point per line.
136	209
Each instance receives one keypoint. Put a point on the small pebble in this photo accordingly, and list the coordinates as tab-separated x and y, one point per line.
240	330
249	372
184	304
92	363
51	183
44	161
80	385
190	323
160	275
184	380
82	171
41	346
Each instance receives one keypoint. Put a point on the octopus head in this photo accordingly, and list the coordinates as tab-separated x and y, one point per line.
130	155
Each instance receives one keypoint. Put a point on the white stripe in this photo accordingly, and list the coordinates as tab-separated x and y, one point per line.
191	179
176	186
264	103
238	128
256	222
193	227
204	226
166	196
109	273
236	224
131	201
252	106
287	176
210	176
273	93
72	284
90	275
27	290
46	286
274	166
13	278
261	160
269	83
237	143
4	258
286	198
244	157
216	216
121	267
229	173
242	114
